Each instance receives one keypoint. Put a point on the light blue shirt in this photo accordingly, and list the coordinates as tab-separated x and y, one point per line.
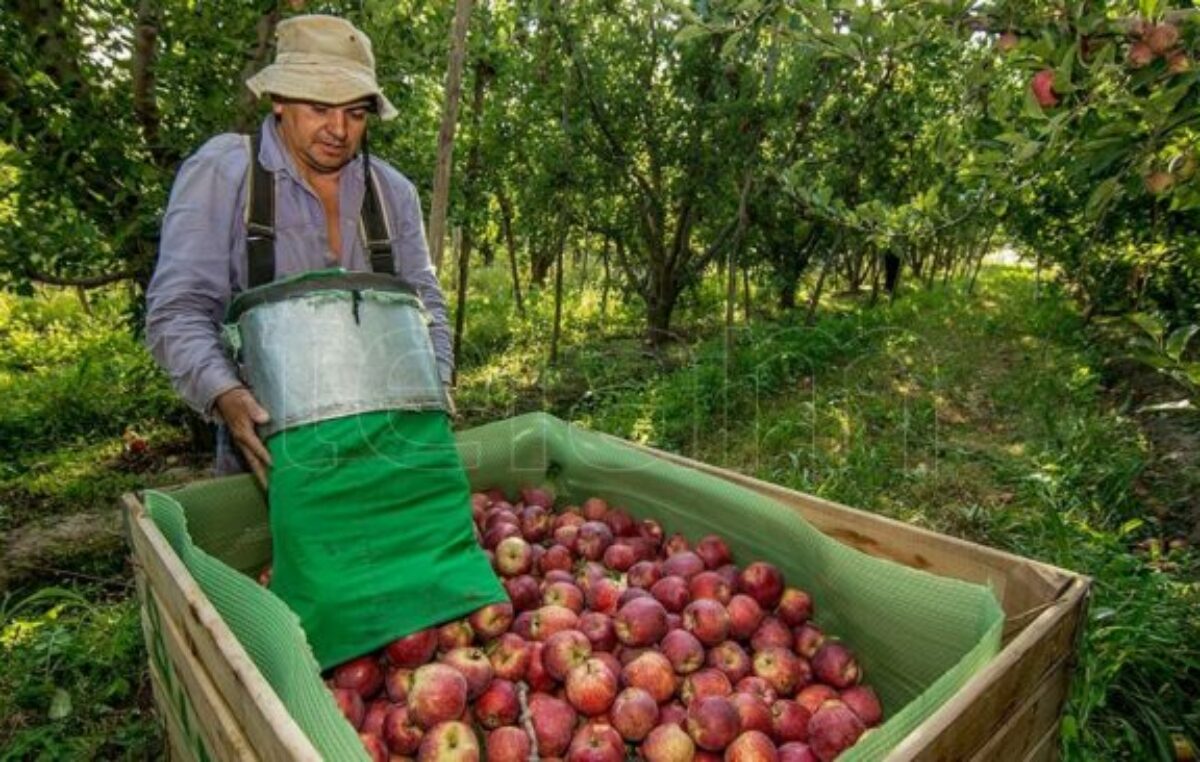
202	254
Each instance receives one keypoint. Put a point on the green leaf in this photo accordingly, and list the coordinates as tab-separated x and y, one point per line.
1178	340
1064	70
1101	195
60	704
692	32
1150	324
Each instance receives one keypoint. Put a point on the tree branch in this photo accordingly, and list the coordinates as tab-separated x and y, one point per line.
264	41
94	281
145	101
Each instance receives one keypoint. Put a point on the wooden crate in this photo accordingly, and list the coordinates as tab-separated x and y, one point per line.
216	705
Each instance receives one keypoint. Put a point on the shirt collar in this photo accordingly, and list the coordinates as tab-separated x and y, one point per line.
276	158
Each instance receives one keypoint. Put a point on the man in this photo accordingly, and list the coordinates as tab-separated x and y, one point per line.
323	87
369	509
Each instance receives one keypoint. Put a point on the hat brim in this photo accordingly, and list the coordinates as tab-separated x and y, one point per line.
320	84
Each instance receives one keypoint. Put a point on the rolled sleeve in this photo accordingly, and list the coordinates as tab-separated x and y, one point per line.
191	286
414	266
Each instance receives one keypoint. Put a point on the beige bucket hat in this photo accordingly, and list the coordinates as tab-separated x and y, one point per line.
323	59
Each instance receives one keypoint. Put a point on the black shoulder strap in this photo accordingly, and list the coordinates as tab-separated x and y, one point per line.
260	221
378	237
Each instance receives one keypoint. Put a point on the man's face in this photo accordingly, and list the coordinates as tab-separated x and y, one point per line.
323	137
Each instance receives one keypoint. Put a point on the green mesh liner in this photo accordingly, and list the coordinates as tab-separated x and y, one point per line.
919	637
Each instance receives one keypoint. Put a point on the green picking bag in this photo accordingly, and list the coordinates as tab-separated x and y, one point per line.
369	504
372	530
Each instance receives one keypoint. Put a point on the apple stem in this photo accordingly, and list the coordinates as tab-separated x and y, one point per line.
527	720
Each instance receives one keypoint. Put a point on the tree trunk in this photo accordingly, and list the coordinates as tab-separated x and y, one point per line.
558	295
506	223
605	287
445	149
264	41
815	299
746	292
462	236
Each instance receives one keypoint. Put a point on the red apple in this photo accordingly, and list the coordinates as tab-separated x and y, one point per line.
641	622
673	712
474	665
751	746
772	632
524	592
812	696
398	683
796	752
264	576
594	537
565	594
493	537
684	651
551	619
730	574
604	595
498	705
375	747
564	651
509	655
456	634
376	713
672	593
676	543
492	620
568	537
403	736
449	742
652	673
763	582
620	556
1007	41
668	743
543	497
684	564
555	557
756	686
480	500
709	584
634	714
731	659
350	703
591	687
500	516
612	662
745	616
651	530
362	675
621	523
536	675
1177	63
438	694
508	744
555	576
594	509
1161	37
596	742
599	630
1042	85
644	574
514	557
553	724
712	722
780	668
862	701
704	683
535	523
753	712
523	624
808	639
632	594
789	721
833	728
835	665
568	517
707	620
1140	55
795	607
713	551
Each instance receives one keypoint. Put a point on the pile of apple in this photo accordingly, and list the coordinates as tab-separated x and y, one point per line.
618	643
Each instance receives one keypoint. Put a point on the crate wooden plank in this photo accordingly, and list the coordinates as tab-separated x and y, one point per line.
272	732
1019	736
221	731
1024	587
178	749
969	719
1048	749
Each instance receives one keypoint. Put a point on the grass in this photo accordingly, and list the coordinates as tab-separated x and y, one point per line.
986	417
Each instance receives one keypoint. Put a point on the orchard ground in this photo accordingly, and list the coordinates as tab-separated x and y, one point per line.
998	417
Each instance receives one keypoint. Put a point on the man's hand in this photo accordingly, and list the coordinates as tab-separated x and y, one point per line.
241	412
451	408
